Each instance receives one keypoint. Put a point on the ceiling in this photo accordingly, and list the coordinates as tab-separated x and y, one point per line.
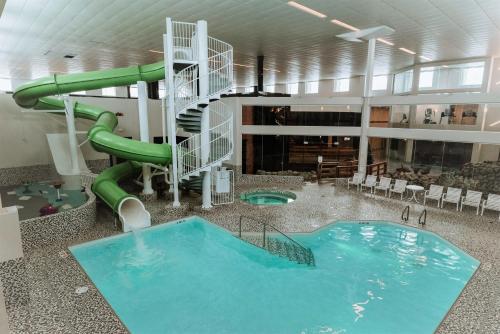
36	34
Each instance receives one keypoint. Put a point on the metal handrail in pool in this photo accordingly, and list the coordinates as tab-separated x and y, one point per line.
424	220
405	215
309	254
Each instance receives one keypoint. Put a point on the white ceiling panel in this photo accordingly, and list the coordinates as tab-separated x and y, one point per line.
36	34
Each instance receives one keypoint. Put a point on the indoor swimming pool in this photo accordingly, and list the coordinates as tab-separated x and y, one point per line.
192	276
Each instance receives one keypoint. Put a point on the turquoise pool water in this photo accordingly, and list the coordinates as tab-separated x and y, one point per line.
194	277
262	197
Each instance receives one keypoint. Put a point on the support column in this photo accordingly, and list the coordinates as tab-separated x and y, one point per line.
203	81
142	100
168	48
365	115
73	144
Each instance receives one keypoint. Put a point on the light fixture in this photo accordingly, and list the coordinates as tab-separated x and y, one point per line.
425	58
445	66
495	123
241	65
344	25
407	51
155	51
271	70
306	9
385	41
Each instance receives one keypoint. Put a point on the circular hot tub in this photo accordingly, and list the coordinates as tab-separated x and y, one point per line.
268	197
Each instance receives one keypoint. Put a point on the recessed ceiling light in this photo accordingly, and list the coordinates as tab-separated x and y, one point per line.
425	58
385	41
155	51
306	9
445	66
241	65
271	70
407	51
344	25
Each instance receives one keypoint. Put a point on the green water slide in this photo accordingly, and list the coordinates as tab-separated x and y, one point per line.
37	95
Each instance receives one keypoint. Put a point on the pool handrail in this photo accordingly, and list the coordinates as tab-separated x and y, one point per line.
265	224
405	215
423	215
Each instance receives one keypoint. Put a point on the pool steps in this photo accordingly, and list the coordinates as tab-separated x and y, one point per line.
278	244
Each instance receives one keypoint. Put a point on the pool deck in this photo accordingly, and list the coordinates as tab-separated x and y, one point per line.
52	275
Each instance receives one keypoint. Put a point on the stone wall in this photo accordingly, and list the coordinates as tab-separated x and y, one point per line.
482	176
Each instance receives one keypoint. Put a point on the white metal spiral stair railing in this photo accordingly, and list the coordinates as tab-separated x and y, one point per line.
189	107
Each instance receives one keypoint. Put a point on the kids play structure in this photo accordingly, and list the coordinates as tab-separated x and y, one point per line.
197	69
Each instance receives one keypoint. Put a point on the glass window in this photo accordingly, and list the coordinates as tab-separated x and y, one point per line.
403	82
132	91
426	78
292	88
109	91
341	85
249	89
312	87
473	76
270	88
379	82
6	85
452	76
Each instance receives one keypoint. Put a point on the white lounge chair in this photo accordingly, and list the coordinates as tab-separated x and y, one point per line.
384	184
435	192
452	195
370	182
491	203
471	198
399	187
356	180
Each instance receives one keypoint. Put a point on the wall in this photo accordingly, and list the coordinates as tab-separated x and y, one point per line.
23	134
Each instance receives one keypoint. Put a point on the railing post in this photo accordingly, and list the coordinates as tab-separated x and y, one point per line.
264	237
239	233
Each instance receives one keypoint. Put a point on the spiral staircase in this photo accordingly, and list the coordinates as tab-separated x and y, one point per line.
196	94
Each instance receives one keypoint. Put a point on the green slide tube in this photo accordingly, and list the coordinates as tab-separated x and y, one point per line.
36	95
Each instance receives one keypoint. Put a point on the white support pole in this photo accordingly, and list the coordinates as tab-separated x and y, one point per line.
165	132
142	101
73	144
203	81
365	115
168	48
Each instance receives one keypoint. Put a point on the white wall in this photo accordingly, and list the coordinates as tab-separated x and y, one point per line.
23	134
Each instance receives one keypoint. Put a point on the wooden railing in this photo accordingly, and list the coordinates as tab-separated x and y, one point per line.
378	168
343	169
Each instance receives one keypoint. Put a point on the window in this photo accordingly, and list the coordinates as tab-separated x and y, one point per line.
403	82
249	89
5	85
312	87
452	76
161	89
426	77
270	88
109	91
292	88
473	76
379	82
132	91
341	85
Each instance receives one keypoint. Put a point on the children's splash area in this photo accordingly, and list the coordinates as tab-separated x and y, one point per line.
41	198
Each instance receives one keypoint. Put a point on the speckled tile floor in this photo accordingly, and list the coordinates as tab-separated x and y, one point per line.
53	275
